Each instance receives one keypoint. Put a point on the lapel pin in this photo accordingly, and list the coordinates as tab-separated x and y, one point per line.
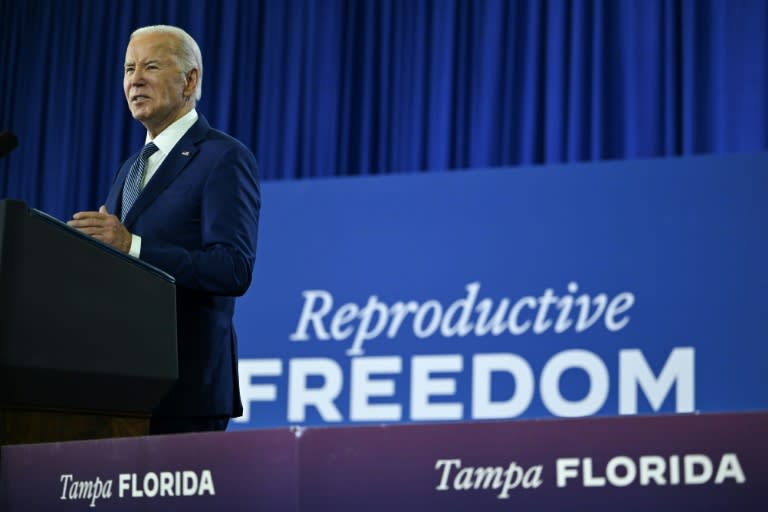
185	153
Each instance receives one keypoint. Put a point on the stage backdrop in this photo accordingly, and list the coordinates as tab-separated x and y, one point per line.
600	289
318	88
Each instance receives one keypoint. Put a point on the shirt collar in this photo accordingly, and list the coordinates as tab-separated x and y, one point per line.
171	135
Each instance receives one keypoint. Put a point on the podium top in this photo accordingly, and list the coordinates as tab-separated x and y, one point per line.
101	245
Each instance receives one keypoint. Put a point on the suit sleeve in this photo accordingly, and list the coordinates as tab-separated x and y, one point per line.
229	217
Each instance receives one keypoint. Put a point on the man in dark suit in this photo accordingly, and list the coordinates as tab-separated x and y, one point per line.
187	203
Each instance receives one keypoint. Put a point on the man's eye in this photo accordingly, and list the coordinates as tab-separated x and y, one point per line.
129	70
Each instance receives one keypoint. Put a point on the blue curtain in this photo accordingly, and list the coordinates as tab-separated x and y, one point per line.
346	87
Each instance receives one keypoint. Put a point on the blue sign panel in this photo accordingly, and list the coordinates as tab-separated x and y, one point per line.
598	289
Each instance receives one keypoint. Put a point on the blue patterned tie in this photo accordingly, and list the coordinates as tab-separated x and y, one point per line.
132	187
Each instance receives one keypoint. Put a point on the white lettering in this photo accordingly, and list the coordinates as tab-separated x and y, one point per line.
674	469
730	468
464	306
166	484
652	467
565	304
566	468
189	483
461	317
483	368
124	483
322	398
550	383
495	325
514	326
345	314
618	305
362	388
542	324
463	479
248	369
91	490
589	479
634	372
135	492
399	311
418	321
206	483
308	314
585	320
447	464
614	475
374	308
622	471
499	386
512	478
423	386
690	473
489	477
151	485
65	479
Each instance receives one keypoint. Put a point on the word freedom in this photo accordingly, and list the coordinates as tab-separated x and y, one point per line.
430	386
464	316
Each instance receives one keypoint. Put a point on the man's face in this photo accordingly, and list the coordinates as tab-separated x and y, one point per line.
157	91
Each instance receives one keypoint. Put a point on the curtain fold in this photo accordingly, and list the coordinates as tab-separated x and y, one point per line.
354	87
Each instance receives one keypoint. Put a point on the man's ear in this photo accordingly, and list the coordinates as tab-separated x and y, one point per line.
191	78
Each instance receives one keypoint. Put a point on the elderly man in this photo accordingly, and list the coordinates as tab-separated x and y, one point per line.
187	203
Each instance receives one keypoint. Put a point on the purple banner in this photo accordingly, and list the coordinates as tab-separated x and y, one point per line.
191	472
714	462
682	462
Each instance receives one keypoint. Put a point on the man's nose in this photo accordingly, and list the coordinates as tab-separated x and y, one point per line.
137	77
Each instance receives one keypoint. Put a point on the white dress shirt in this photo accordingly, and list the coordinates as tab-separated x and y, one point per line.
165	141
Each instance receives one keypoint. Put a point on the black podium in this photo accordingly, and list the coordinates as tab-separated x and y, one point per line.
87	334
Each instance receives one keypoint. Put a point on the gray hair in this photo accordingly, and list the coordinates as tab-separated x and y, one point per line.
187	52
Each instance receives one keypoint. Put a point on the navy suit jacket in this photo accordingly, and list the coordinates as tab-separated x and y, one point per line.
198	221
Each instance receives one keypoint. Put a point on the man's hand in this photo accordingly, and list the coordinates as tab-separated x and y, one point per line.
103	226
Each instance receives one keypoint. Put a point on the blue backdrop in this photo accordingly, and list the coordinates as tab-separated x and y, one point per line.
333	87
605	288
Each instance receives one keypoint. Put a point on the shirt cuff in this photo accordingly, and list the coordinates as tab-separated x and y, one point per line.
135	249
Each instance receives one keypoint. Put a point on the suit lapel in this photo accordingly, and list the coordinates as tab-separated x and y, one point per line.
181	154
114	199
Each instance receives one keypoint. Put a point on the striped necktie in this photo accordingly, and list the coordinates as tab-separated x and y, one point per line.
132	187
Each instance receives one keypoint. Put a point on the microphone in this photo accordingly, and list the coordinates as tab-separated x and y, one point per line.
8	142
